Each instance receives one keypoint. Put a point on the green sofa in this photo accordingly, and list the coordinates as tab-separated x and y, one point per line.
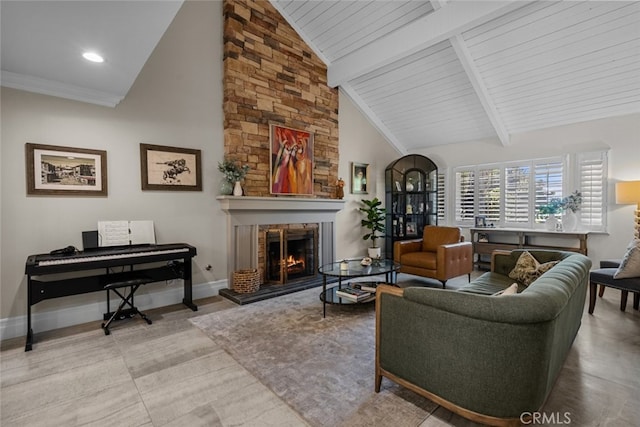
488	358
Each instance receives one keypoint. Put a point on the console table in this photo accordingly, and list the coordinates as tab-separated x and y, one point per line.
487	239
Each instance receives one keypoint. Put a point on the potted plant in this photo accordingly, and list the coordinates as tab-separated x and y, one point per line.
374	222
572	202
233	174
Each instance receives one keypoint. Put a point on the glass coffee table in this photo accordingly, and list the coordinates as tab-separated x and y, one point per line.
353	269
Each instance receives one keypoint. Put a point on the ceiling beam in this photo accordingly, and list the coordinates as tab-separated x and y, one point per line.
480	88
460	47
437	4
450	19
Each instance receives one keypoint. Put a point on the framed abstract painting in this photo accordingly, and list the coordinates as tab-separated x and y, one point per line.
291	153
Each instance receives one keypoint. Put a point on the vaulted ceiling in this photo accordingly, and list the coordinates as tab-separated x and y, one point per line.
434	72
424	72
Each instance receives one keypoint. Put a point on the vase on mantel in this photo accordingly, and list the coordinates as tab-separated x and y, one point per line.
226	187
551	223
237	189
569	221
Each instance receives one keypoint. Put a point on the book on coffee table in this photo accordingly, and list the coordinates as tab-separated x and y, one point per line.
370	287
352	293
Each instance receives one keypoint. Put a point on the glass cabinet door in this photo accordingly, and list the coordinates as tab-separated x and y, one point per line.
411	197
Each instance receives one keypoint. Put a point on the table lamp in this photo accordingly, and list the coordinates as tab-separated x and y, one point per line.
627	193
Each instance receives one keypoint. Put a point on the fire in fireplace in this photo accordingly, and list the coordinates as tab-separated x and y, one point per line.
291	254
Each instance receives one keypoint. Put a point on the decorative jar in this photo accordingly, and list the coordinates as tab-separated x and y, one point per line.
226	187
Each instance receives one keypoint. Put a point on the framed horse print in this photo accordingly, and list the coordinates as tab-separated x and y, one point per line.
170	168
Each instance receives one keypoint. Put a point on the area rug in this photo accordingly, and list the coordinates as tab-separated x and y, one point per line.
322	367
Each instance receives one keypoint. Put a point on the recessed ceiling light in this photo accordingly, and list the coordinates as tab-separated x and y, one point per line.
93	57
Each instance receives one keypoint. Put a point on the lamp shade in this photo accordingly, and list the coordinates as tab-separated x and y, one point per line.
628	192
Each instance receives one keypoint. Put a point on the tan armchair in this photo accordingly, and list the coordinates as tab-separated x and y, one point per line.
441	254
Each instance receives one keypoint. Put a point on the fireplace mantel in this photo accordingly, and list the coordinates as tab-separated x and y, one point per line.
245	203
246	210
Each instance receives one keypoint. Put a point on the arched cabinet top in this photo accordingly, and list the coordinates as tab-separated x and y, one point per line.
412	161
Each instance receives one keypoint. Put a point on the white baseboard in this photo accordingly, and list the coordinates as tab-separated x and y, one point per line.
17	326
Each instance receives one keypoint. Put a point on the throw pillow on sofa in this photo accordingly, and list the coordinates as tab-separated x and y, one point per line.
630	265
528	269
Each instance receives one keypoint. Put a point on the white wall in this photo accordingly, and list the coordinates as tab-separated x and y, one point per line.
176	101
618	134
360	142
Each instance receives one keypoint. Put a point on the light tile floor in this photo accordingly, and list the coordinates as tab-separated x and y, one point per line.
170	374
165	374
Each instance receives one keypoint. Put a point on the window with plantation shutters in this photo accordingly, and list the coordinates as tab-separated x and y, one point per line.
591	176
548	185
511	194
517	181
488	194
441	207
465	196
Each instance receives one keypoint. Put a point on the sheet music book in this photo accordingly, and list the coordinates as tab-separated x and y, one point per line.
122	233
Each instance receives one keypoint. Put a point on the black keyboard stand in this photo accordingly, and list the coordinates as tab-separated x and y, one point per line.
47	276
121	312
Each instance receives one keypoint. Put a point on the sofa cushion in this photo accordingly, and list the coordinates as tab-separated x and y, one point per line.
419	259
435	236
528	269
630	264
488	284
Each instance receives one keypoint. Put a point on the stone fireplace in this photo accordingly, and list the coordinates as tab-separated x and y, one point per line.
272	76
259	225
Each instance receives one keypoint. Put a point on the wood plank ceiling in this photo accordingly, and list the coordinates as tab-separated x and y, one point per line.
435	72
